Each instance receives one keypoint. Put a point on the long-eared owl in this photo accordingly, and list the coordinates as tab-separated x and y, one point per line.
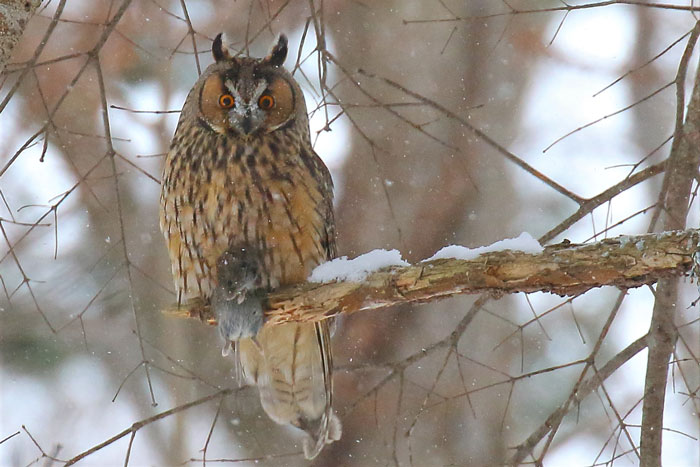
246	206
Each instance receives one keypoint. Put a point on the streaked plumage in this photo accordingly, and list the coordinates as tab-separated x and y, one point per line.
241	176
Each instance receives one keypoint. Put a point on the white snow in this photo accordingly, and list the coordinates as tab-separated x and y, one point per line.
356	270
525	243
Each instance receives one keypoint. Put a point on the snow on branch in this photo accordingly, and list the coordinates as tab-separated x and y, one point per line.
563	269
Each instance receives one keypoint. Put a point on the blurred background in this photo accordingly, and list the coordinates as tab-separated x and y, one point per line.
85	351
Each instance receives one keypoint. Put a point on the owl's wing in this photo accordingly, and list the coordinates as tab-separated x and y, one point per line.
325	206
291	365
330	233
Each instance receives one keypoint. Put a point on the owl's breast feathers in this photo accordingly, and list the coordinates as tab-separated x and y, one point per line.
272	193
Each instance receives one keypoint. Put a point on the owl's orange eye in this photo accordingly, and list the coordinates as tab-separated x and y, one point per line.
226	101
266	102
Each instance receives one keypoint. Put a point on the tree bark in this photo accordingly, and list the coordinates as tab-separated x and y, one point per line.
14	16
681	171
562	269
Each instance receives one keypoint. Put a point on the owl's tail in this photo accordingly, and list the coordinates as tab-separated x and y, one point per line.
329	430
291	364
328	427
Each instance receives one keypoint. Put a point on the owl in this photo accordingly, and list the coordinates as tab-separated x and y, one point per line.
247	206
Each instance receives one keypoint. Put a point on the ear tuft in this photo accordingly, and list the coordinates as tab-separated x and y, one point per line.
278	53
218	50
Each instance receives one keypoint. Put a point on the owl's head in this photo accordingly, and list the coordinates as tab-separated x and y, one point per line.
246	96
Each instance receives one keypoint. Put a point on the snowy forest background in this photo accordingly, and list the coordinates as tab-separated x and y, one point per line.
392	88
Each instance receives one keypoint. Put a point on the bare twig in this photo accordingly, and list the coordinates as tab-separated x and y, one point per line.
112	155
566	8
581	389
147	421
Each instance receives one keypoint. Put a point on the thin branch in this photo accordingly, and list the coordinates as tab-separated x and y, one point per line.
9	437
566	8
579	392
191	32
605	117
112	154
591	204
93	53
37	53
481	135
147	421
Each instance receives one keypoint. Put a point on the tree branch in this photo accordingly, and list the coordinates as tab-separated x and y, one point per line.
676	190
582	389
562	269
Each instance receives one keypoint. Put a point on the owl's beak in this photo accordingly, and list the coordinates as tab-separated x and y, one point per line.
244	120
247	123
